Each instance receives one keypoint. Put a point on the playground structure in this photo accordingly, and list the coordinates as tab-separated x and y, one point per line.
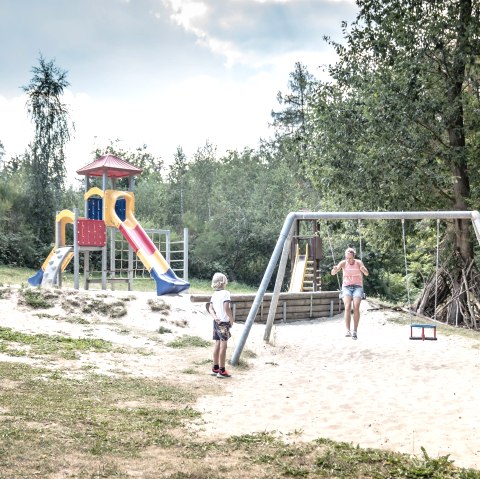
106	208
283	246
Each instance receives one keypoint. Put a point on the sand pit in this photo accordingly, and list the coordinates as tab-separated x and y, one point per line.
381	391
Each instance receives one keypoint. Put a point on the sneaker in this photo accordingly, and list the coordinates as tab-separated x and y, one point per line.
215	371
348	334
354	335
223	374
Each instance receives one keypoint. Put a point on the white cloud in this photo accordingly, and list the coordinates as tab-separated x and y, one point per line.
15	127
186	12
192	71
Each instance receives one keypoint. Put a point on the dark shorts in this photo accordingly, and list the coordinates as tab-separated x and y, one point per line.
354	291
221	331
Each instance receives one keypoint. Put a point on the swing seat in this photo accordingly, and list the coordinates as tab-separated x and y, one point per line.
423	337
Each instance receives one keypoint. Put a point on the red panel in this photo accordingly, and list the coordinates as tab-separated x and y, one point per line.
91	232
127	233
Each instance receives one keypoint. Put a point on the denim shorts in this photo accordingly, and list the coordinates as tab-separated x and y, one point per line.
354	291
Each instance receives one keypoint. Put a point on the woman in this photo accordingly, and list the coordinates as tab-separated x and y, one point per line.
352	288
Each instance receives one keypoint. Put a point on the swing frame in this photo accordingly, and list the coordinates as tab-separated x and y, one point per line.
282	248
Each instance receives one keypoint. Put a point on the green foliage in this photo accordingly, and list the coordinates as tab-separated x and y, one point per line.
141	158
394	129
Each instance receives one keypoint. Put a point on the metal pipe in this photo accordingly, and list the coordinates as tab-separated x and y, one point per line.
76	252
185	254
383	215
263	287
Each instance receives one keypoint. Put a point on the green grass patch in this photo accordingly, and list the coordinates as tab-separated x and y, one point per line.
43	344
187	341
37	298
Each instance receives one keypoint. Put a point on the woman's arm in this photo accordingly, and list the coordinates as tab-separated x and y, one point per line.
363	269
337	268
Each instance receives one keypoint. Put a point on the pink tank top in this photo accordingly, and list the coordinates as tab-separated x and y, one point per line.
352	274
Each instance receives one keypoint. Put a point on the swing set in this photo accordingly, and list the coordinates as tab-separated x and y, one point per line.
283	245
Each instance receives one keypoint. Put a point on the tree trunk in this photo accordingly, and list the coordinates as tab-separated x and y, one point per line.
456	130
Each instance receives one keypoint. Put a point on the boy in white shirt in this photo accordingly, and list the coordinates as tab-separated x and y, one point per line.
220	310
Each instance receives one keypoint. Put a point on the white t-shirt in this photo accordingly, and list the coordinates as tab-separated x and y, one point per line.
218	298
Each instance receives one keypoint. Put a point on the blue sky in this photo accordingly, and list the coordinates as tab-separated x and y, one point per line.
164	73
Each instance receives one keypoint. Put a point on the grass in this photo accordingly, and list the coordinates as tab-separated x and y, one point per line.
16	343
15	275
103	427
187	341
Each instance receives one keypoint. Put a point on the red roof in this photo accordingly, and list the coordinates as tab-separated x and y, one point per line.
114	167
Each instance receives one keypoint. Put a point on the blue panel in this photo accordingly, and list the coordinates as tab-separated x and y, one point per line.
121	208
95	208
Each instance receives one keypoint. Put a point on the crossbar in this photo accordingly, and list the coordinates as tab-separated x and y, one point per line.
474	216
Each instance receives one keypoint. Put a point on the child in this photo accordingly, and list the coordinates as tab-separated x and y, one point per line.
221	312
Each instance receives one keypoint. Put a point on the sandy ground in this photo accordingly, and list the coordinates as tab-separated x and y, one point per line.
381	391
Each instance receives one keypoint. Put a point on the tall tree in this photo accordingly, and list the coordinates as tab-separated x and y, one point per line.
291	122
399	100
396	126
46	155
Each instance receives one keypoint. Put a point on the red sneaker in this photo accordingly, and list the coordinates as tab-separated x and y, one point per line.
223	374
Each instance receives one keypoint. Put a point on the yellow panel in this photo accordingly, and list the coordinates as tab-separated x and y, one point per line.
63	218
93	192
110	198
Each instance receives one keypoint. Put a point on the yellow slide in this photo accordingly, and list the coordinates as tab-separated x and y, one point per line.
298	274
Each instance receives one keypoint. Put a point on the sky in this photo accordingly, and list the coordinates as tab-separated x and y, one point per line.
162	73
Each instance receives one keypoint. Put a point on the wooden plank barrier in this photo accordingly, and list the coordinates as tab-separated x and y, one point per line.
291	306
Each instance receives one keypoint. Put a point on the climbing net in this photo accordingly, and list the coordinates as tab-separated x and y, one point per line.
122	259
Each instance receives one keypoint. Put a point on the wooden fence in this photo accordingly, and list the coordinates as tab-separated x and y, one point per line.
290	307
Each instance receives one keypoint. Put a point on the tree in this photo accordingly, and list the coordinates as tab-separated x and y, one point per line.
291	123
17	243
45	155
396	125
176	185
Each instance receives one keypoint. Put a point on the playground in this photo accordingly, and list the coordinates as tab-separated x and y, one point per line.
382	391
299	379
